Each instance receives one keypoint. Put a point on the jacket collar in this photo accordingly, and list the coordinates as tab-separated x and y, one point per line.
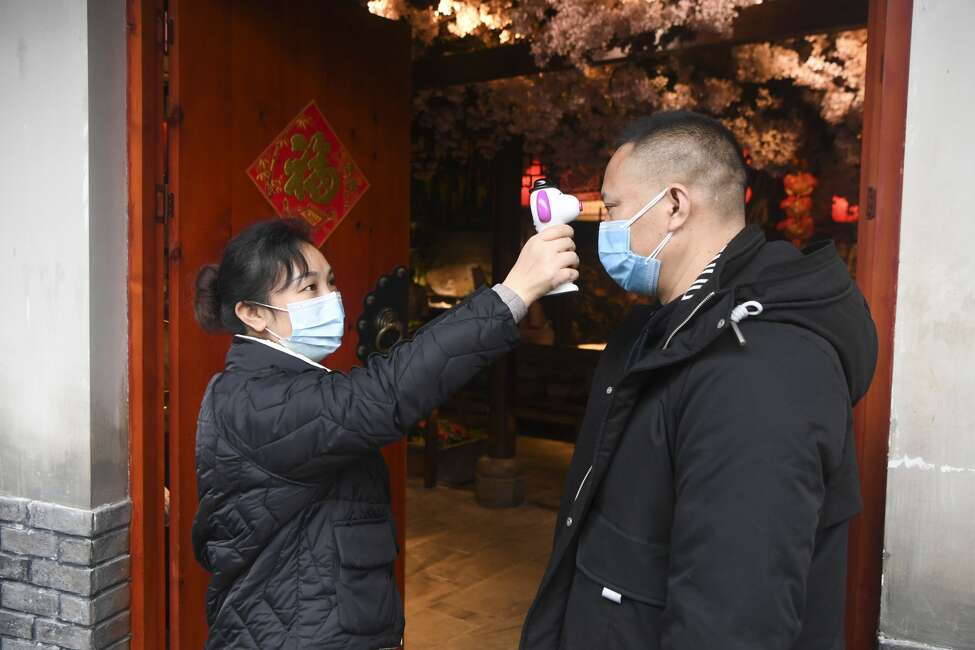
739	252
735	257
251	353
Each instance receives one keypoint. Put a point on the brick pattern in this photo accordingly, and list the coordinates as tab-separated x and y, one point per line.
64	576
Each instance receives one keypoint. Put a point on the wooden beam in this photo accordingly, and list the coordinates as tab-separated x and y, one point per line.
472	67
781	19
773	20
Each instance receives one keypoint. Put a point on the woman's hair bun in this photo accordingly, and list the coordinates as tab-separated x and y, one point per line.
255	263
206	302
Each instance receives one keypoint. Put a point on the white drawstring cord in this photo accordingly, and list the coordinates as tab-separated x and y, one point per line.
740	313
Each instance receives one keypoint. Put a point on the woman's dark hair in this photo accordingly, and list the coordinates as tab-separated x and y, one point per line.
260	259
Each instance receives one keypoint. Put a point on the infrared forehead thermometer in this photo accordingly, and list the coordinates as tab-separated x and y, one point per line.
551	207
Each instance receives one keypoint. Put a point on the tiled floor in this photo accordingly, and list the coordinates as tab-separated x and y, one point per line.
471	573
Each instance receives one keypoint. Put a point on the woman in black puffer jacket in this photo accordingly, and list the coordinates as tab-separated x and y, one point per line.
294	521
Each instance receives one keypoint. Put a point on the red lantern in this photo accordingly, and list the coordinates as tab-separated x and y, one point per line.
801	184
798	225
533	171
843	212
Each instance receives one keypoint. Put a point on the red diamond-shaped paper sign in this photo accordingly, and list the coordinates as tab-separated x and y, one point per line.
307	173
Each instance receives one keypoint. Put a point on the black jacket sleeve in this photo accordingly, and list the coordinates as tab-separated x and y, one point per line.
314	420
755	430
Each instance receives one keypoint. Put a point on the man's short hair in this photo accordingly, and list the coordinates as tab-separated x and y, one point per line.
694	149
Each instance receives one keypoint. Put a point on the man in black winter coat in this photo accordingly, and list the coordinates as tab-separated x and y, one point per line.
709	496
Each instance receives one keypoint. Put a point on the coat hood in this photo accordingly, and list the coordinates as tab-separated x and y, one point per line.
812	289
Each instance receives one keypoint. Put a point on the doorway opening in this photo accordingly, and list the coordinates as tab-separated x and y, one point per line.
468	219
492	114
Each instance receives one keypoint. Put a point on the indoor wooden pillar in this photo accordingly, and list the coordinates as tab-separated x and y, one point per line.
499	480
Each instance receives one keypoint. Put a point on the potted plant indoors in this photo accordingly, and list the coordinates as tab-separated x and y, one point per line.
458	448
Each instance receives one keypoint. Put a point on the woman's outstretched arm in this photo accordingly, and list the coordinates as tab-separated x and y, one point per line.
306	423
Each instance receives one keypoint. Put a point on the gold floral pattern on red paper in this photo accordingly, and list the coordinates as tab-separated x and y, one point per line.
307	173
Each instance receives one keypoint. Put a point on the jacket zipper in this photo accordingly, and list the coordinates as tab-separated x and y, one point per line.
584	479
689	317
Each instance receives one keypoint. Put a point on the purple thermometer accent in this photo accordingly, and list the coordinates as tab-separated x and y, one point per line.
544	209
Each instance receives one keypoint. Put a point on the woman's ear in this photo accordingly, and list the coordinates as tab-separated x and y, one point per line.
680	206
252	316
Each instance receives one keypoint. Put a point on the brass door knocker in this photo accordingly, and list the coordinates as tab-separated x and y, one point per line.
390	330
383	321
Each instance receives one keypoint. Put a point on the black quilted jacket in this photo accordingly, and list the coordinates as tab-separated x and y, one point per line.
294	521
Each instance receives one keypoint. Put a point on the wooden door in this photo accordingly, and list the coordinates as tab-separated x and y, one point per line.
240	71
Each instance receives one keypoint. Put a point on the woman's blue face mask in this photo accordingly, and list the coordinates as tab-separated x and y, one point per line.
631	271
317	325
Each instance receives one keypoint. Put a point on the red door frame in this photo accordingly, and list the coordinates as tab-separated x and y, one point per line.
879	238
146	336
881	175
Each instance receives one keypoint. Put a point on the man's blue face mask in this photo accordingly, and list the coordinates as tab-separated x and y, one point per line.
631	271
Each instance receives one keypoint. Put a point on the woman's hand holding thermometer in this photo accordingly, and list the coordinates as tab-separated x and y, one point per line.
550	207
547	261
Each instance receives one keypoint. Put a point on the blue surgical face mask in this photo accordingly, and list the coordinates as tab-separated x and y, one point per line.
317	325
631	271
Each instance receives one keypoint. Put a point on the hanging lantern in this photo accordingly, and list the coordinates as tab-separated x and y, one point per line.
533	171
798	225
747	157
843	212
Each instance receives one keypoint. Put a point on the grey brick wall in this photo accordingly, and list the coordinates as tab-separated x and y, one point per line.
64	576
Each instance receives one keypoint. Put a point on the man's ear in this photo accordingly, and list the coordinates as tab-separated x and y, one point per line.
253	316
679	199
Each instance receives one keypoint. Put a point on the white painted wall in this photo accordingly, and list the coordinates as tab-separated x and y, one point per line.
63	253
929	571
